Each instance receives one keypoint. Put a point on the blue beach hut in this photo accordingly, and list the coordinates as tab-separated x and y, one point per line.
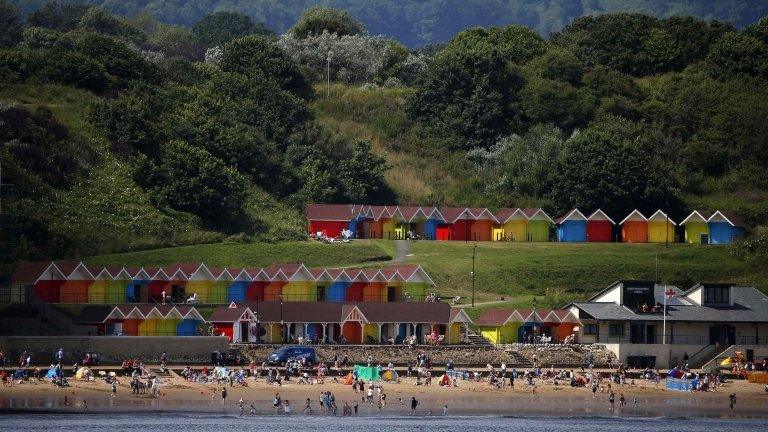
724	227
572	227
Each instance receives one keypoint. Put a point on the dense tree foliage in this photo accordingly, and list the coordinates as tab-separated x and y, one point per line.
10	24
314	21
419	22
221	27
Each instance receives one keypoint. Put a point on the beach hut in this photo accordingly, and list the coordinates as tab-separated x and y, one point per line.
572	227
339	282
218	292
725	227
537	225
190	318
414	220
137	290
482	224
358	280
330	219
48	284
159	283
499	326
661	229
696	227
634	228
117	287
512	225
301	284
238	288
457	226
258	285
200	282
75	288
434	220
599	227
97	291
379	216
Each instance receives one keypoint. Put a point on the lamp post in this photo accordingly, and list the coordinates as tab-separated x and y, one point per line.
474	250
328	72
282	324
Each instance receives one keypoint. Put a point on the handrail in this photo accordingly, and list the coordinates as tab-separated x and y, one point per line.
717	357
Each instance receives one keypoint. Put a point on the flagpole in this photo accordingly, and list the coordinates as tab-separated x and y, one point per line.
664	327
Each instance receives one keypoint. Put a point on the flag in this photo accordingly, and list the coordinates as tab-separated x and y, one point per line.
670	293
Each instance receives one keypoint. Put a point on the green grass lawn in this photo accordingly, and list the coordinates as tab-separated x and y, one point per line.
557	273
313	254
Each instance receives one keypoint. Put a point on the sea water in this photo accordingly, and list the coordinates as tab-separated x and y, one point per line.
152	422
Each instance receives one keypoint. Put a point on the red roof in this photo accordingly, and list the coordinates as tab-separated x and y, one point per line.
505	213
409	212
494	317
451	214
27	272
331	212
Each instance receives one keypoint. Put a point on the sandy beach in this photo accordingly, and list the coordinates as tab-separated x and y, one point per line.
475	398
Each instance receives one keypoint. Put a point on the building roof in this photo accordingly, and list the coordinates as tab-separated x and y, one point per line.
600	215
660	216
634	215
702	215
749	305
331	212
727	216
452	214
506	213
531	213
494	317
481	213
572	214
324	312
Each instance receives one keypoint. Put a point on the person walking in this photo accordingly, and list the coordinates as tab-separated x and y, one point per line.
223	395
240	404
732	401
308	407
287	407
611	401
414	404
114	388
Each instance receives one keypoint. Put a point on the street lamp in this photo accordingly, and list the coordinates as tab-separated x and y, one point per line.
474	250
328	72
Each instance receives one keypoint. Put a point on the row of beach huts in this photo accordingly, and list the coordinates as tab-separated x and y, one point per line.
518	224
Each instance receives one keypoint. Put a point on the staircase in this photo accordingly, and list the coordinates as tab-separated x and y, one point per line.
477	340
715	360
519	359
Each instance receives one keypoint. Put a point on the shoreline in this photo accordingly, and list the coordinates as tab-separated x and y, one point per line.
469	399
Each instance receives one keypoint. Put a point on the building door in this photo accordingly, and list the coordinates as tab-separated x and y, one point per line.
391	294
178	293
636	333
722	334
244	327
650	334
321	293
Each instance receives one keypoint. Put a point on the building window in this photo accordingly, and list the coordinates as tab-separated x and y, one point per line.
716	295
616	329
590	329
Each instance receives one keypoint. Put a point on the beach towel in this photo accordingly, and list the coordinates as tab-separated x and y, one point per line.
51	374
347	380
445	380
81	373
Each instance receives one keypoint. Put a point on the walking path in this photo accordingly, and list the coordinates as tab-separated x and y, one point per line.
401	250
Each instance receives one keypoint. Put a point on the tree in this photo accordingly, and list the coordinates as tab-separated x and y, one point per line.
556	64
611	165
177	42
10	24
70	68
191	179
119	60
98	20
315	20
259	56
738	54
362	176
56	16
516	44
129	122
560	103
220	28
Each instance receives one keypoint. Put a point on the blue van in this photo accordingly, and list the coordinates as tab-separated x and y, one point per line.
283	354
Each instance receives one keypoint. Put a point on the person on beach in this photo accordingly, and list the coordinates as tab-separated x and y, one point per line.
277	403
114	388
414	404
355	408
445	410
223	395
287	407
252	411
594	388
241	406
85	405
611	401
308	407
732	401
622	401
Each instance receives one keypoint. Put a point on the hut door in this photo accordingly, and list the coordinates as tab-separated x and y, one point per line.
391	294
244	328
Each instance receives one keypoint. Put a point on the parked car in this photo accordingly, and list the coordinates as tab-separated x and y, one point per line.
283	354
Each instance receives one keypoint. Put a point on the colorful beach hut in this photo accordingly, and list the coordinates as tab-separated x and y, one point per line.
634	228
537	225
434	220
661	229
725	227
458	224
599	227
696	227
512	224
499	326
482	224
259	282
330	219
97	291
75	288
572	227
238	288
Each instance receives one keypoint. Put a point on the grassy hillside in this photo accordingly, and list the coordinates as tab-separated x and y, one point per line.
313	254
554	273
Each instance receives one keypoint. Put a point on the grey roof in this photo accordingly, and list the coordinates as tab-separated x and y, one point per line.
749	305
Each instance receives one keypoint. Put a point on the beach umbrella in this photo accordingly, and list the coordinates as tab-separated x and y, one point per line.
726	362
112	374
80	374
